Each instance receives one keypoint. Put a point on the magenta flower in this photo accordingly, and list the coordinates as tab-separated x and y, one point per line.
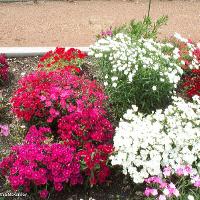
43	194
197	183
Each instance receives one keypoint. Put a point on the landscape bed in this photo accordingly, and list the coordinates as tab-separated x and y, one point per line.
110	124
118	186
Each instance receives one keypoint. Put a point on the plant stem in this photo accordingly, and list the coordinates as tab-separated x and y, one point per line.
149	8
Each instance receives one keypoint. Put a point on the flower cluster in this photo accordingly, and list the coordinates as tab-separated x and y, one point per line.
137	72
104	34
145	143
188	53
47	96
59	59
127	57
73	107
94	162
162	188
3	68
41	164
191	83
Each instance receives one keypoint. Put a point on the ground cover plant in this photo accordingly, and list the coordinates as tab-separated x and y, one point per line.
124	128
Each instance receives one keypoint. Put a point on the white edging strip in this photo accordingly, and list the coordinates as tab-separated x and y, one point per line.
32	51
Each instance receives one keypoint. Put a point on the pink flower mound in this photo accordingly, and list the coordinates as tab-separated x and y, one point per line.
40	165
73	107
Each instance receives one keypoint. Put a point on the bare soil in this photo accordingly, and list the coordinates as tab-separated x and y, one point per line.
61	23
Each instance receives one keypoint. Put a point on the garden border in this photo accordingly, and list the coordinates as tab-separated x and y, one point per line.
31	51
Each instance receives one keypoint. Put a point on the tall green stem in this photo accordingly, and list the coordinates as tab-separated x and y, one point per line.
149	8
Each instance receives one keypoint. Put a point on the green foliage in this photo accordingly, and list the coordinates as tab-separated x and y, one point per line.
146	28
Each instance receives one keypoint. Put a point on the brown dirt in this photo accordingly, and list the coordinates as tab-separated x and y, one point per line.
76	24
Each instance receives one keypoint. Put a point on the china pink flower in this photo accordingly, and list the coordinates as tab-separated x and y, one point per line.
43	194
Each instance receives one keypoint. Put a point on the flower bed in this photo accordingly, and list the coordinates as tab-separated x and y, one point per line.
139	118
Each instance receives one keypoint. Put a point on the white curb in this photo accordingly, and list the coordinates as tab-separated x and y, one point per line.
32	51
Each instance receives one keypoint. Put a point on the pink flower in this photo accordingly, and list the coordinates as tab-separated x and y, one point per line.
179	171
197	183
4	130
48	103
66	93
150	191
167	171
53	96
58	186
163	185
43	194
54	113
187	170
154	192
42	98
147	192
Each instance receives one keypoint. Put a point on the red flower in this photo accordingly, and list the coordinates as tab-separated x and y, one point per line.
60	59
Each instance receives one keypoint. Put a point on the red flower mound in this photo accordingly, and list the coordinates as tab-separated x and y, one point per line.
59	59
73	107
196	53
3	68
40	165
191	83
47	96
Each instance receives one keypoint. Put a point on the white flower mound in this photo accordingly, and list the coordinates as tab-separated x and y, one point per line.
127	57
171	137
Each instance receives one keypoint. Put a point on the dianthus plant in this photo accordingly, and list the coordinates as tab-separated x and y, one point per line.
170	137
189	56
190	85
180	184
36	164
188	52
73	107
141	72
70	59
47	96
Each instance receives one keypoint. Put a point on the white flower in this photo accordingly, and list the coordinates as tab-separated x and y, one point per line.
166	192
114	78
190	197
158	139
154	88
162	197
114	85
125	57
105	83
